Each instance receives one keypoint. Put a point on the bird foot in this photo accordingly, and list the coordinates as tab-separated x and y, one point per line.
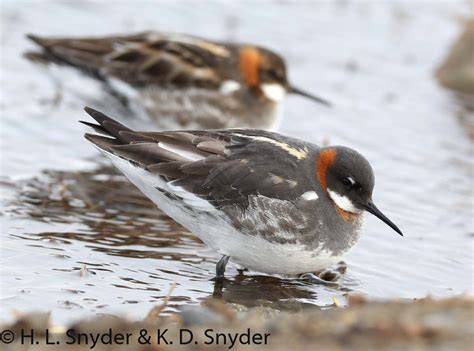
314	279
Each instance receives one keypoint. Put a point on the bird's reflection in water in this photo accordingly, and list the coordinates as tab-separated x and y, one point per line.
102	210
291	294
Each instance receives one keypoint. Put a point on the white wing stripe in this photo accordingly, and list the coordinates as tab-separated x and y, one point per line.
190	155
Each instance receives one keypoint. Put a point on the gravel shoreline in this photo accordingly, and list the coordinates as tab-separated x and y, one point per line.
423	324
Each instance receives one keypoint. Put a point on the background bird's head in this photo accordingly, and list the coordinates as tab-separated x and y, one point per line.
266	72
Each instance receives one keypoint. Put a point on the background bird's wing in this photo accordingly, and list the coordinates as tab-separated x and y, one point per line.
140	59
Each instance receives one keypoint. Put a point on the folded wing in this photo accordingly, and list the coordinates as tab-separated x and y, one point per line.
225	167
142	59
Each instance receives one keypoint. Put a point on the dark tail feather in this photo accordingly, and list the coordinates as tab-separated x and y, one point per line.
97	128
43	42
109	129
102	142
44	56
122	141
67	52
108	124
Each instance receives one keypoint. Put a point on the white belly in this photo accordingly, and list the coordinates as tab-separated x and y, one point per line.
199	109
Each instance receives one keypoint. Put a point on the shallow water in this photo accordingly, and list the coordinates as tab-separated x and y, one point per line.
78	239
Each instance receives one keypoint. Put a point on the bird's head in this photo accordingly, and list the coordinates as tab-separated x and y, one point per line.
266	72
348	180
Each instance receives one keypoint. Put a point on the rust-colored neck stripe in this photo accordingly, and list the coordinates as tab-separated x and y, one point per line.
346	216
250	61
325	160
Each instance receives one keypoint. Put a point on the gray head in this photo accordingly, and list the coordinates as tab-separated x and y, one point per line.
348	179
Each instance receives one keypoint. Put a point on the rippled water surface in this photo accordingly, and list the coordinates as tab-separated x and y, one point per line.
78	239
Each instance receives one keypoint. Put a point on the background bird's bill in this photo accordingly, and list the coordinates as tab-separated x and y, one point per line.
293	90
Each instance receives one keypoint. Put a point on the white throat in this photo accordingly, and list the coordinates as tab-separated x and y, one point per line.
273	91
343	202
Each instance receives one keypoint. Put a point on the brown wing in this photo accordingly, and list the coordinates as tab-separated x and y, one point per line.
224	166
141	59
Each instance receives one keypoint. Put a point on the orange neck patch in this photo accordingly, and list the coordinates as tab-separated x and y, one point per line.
346	216
250	62
325	159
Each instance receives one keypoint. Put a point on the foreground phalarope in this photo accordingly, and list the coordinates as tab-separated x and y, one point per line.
266	201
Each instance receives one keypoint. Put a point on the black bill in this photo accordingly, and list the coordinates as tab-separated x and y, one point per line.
293	90
370	207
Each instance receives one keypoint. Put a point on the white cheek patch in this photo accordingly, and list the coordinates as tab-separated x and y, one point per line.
274	91
229	86
343	202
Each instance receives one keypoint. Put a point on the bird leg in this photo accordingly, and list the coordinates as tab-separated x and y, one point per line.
220	267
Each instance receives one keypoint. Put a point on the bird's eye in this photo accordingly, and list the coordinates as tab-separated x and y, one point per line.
274	74
348	181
